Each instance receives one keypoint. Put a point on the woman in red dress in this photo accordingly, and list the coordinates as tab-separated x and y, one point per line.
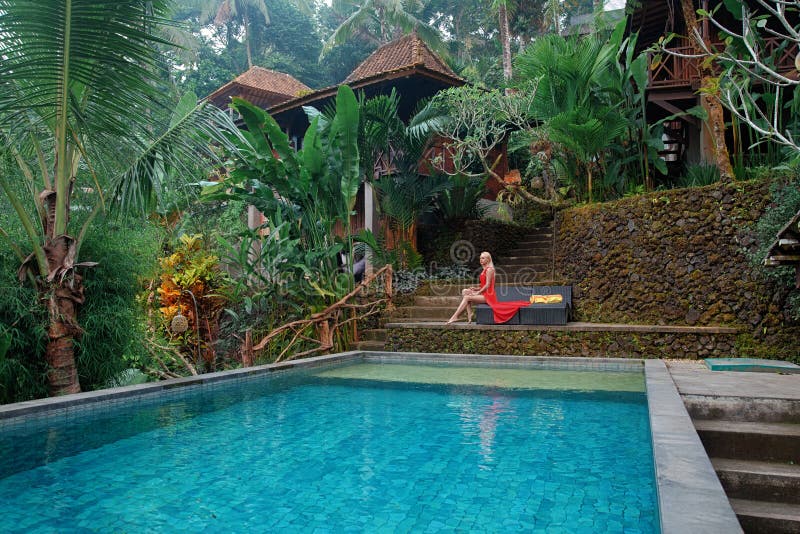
484	294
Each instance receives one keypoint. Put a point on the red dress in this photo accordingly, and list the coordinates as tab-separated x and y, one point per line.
503	311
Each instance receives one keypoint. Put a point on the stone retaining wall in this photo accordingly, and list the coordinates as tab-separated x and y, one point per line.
676	257
608	344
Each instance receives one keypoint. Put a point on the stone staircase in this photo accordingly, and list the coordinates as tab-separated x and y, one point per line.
756	454
531	263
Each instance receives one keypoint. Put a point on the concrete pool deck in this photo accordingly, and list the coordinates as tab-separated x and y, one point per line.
690	496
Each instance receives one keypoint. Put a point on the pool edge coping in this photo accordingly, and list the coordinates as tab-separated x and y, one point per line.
690	496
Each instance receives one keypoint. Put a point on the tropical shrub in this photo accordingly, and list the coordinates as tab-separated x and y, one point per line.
305	195
785	204
698	175
113	324
590	106
192	286
460	201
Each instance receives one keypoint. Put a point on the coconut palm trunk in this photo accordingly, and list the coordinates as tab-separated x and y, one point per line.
63	292
63	301
505	39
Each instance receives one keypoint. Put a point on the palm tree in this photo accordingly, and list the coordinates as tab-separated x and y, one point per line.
82	110
227	11
569	101
381	21
502	7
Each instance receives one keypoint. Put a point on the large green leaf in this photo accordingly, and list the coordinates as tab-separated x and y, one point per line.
344	144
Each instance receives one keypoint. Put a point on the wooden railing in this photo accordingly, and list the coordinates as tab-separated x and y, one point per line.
368	298
674	71
669	70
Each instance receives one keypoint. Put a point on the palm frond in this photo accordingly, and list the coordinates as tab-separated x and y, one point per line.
84	63
190	136
348	28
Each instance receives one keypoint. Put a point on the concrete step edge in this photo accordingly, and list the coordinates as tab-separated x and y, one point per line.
759	480
757	467
748	427
772	510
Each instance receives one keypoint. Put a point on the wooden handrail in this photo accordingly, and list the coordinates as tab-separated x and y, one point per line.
322	320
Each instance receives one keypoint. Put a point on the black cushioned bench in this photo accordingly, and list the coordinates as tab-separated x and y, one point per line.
557	313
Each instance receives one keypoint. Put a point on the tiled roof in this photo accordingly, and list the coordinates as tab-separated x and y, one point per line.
405	52
260	86
272	81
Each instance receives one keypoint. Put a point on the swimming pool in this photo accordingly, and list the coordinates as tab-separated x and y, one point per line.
370	445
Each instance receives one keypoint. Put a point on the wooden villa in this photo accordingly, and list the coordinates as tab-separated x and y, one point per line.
406	65
673	80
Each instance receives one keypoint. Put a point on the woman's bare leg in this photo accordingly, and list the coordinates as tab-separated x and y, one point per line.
466	304
456	314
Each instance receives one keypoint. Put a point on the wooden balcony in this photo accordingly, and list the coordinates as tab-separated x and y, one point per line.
671	71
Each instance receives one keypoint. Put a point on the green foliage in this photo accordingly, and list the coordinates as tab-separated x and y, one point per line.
113	321
381	21
304	195
590	106
785	204
698	175
23	330
460	201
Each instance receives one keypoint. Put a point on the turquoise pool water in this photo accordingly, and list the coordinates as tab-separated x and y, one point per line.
348	450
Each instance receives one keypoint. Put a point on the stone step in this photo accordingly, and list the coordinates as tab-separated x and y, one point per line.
770	442
767	517
370	345
438	301
522	276
536	248
765	410
374	334
761	481
423	312
532	240
531	261
421	320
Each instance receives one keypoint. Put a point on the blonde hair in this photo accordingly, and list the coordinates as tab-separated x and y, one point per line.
491	261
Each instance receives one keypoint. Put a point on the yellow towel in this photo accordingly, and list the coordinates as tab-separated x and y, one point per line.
546	299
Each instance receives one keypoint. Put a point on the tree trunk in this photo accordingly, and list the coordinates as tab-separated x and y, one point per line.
61	288
505	40
246	21
709	91
64	299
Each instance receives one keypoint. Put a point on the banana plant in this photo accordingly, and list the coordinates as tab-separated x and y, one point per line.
313	190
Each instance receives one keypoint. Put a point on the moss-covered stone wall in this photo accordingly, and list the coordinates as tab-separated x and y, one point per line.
610	344
676	257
